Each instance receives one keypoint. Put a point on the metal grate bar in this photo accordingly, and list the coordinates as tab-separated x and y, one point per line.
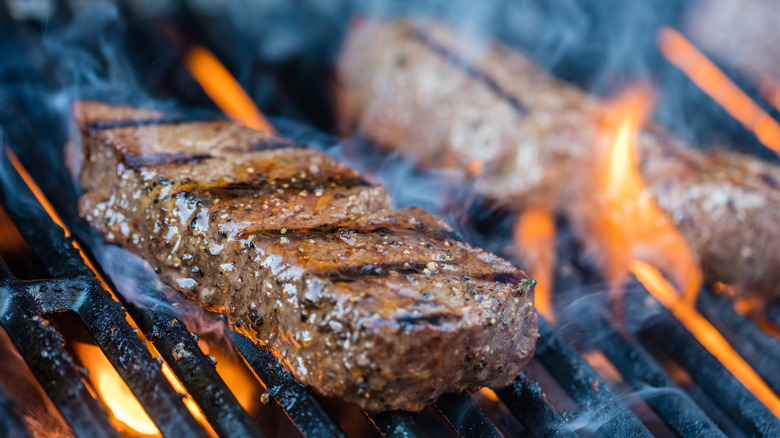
641	371
760	350
712	377
526	401
42	349
195	371
584	386
10	424
463	414
396	424
297	401
104	319
773	313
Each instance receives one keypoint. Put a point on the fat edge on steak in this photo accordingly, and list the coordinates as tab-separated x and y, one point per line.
419	89
383	308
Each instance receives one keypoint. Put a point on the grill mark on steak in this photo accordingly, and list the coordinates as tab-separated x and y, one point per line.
341	229
358	273
457	61
435	319
265	145
103	125
262	187
136	161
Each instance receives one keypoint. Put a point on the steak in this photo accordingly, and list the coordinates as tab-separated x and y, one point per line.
522	138
384	308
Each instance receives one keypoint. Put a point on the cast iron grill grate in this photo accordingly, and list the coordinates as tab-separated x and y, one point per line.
718	406
73	287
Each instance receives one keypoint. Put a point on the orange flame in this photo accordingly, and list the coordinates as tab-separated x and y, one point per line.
234	372
187	399
534	237
708	335
625	223
706	75
488	394
10	239
113	391
224	90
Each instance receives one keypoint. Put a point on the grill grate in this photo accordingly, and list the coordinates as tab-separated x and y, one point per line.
75	288
104	318
82	294
723	408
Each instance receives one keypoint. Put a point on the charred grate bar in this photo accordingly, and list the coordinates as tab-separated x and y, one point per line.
41	348
525	399
761	351
465	416
396	424
585	386
297	401
641	371
713	378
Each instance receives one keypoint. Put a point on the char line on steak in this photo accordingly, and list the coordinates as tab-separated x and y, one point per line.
384	308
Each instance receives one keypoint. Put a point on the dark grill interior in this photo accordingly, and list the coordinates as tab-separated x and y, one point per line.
662	381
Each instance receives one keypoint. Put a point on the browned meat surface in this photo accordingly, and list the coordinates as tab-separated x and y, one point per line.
524	137
384	308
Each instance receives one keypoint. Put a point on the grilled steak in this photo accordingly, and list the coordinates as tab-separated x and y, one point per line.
523	138
384	308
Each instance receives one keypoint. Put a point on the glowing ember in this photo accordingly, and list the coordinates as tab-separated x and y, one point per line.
488	394
706	75
708	335
534	237
113	391
224	90
620	219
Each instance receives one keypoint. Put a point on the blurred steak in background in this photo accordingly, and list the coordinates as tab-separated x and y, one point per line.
523	138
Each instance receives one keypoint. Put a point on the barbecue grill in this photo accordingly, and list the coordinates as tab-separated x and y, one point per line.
593	374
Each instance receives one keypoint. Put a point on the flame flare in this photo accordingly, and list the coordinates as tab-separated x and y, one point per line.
534	237
621	219
225	90
706	75
113	391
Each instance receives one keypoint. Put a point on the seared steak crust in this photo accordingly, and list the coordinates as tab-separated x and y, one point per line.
524	137
384	308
